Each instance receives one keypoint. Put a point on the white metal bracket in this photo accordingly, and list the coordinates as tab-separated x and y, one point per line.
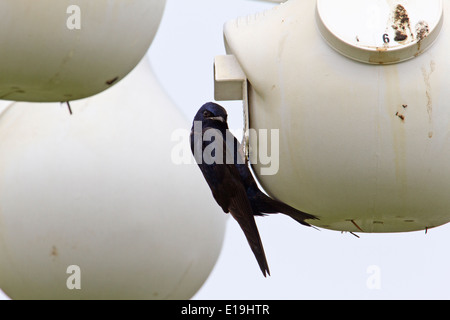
230	83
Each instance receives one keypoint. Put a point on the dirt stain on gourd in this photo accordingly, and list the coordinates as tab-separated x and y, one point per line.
428	93
54	252
401	24
112	81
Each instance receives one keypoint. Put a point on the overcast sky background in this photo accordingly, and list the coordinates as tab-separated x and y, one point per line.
304	263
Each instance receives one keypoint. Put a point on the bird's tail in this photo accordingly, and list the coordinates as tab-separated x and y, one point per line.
240	209
254	240
297	215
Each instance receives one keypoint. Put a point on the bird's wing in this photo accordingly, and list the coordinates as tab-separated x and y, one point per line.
240	209
229	192
260	202
239	205
265	204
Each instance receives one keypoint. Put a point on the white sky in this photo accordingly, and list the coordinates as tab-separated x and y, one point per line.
304	263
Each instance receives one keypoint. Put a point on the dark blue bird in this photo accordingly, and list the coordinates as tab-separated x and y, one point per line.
220	158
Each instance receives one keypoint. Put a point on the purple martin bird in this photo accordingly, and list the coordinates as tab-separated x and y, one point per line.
232	184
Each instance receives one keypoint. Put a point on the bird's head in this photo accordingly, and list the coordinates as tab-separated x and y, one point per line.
212	114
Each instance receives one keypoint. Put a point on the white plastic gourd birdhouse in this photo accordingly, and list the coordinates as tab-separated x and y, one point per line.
93	205
60	51
357	92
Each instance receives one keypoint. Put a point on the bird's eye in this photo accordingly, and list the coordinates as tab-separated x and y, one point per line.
207	114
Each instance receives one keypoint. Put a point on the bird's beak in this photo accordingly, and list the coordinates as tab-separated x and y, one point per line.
221	119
